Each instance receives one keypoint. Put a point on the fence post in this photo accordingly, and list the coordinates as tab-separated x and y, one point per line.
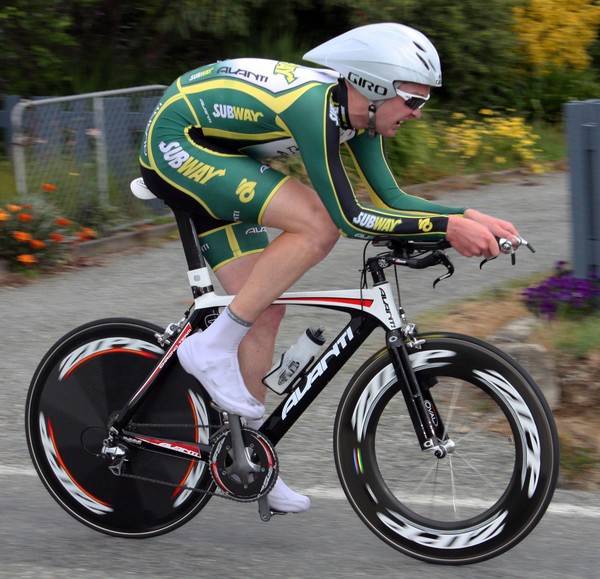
583	144
5	125
101	155
18	142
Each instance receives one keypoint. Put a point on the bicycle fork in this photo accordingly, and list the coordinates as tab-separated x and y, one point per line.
427	422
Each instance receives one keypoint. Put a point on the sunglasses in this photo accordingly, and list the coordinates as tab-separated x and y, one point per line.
412	101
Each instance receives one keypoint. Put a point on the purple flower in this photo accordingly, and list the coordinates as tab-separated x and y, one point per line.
564	293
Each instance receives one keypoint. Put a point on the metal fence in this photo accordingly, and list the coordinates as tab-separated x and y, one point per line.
583	141
80	152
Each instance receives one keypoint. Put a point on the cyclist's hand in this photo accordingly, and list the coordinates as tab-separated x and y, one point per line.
497	227
470	238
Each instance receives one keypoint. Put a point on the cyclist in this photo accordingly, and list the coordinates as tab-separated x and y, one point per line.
205	148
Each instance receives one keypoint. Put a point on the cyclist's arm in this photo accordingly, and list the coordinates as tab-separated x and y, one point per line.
371	162
318	141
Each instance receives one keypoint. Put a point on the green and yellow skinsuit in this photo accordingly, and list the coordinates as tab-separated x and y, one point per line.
207	142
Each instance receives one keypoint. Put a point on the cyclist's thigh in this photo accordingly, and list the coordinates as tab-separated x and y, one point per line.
221	241
227	185
297	208
223	244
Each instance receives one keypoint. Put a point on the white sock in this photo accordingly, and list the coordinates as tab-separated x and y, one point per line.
227	331
281	497
211	357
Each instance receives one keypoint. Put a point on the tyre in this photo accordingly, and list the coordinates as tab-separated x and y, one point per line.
498	477
84	378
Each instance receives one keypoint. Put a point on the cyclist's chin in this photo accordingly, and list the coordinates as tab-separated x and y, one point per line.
391	131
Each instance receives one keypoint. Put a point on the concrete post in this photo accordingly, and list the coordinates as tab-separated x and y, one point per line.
583	144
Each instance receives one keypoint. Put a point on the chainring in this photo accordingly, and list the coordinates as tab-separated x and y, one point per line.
262	457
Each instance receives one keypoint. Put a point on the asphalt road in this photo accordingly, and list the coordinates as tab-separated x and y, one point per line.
37	539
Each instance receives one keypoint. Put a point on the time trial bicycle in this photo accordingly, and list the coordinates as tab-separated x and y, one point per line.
445	447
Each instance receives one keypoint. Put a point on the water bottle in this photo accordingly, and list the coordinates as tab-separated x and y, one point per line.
295	360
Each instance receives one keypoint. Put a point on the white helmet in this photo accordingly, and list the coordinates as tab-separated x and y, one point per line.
374	56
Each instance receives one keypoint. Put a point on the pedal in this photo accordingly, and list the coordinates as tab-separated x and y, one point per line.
265	512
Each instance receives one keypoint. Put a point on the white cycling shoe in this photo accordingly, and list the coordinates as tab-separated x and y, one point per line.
284	500
220	375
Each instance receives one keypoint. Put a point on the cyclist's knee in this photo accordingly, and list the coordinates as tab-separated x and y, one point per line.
323	241
296	208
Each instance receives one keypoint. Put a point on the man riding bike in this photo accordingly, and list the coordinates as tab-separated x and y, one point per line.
205	149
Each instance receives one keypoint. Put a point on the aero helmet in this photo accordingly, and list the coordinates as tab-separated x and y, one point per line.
374	56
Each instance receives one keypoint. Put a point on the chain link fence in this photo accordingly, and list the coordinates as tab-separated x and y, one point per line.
80	153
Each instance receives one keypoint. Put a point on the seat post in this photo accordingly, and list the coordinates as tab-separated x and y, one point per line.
197	268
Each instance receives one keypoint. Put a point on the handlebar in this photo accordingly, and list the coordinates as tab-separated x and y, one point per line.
509	248
423	254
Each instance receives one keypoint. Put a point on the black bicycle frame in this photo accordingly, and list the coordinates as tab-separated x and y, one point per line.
361	325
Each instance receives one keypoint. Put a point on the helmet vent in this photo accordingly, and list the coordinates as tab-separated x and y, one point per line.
425	63
419	46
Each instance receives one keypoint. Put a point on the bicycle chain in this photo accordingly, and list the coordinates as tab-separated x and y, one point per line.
170	425
218	494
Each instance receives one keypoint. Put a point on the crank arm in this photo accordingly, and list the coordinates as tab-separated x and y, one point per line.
241	465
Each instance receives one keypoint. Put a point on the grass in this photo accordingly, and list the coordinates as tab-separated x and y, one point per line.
576	460
578	337
8	186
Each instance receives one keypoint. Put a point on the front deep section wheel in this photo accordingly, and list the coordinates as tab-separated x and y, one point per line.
497	478
84	378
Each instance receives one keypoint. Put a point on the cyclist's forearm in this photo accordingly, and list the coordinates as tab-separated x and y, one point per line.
402	201
363	221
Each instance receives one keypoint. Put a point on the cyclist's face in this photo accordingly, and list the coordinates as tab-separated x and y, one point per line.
393	112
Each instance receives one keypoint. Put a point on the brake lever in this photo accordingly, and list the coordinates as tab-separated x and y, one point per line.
445	261
508	248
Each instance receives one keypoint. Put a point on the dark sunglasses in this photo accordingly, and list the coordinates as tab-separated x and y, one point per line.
412	101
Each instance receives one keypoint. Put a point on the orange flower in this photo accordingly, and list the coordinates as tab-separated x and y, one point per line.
37	244
62	222
14	208
25	217
49	187
21	236
4	215
26	258
56	237
87	233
